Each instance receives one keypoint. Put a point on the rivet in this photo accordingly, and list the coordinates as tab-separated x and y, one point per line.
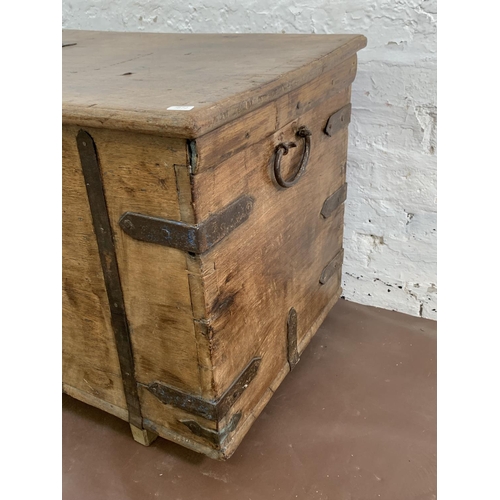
128	224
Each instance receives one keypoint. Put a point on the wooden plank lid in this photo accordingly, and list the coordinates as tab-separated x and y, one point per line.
185	85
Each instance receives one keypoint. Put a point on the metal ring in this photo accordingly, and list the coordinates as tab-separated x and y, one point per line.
283	148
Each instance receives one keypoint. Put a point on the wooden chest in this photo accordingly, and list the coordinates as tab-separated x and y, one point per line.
203	190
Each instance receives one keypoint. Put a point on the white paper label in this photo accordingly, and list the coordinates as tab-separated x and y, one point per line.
179	108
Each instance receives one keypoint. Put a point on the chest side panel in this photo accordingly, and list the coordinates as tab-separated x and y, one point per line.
91	371
277	259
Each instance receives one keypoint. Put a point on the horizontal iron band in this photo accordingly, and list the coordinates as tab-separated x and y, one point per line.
209	434
338	120
334	201
331	268
188	237
211	410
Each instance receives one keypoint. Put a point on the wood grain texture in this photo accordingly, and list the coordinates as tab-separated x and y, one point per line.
274	261
146	174
250	406
139	176
129	80
88	398
89	358
142	436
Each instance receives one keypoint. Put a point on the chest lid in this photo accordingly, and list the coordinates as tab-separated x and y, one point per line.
185	85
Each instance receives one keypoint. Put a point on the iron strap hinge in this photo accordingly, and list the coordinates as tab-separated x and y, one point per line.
191	238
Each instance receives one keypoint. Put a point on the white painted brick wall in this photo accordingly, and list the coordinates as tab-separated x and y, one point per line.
390	228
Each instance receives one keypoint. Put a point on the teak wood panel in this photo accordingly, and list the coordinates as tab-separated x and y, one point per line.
89	358
129	80
273	262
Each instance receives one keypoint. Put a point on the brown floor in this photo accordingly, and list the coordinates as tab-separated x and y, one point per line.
355	420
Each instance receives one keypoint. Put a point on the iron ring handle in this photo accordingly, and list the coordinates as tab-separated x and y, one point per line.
283	148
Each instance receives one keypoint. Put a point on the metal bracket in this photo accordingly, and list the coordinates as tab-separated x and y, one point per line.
213	436
192	155
188	237
334	201
211	410
106	246
292	351
338	120
330	269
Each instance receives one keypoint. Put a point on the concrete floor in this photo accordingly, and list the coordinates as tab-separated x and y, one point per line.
355	420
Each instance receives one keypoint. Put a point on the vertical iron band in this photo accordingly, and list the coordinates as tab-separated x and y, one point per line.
106	245
292	350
